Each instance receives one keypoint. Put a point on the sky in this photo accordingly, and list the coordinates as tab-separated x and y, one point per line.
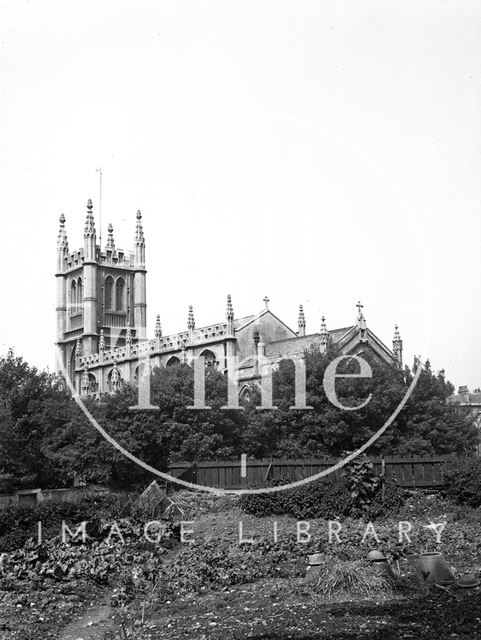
319	153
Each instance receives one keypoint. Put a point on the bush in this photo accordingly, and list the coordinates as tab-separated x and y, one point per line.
463	481
320	499
18	523
388	501
362	481
324	499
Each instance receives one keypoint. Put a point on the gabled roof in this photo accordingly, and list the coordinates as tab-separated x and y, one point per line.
240	321
264	312
297	345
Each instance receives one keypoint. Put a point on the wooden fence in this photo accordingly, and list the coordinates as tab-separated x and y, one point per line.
414	472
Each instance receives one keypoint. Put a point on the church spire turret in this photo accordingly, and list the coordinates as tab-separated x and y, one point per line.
301	322
158	327
62	245
62	242
191	323
140	292
128	334
89	221
78	352
324	333
90	237
230	316
397	346
139	242
85	385
190	318
158	332
90	300
61	307
139	230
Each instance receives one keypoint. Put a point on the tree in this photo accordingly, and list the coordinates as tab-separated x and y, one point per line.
45	439
428	424
23	393
432	424
156	437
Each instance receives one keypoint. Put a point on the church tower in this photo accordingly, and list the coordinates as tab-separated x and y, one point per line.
101	295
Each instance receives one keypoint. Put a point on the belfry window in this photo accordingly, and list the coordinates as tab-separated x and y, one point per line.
119	294
73	298
80	295
108	293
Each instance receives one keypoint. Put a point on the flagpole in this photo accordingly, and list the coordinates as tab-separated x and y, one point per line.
100	208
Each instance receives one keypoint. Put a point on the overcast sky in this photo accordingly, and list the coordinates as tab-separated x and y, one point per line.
315	152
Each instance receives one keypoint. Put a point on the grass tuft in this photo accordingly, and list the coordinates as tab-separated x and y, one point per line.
345	580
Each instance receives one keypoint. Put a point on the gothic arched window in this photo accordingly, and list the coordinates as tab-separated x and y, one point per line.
73	297
209	358
119	294
108	293
80	295
172	362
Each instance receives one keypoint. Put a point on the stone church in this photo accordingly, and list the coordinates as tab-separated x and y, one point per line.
101	323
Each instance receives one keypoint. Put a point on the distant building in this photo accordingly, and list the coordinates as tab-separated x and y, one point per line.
101	323
470	401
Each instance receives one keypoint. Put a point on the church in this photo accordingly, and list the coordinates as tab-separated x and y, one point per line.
101	323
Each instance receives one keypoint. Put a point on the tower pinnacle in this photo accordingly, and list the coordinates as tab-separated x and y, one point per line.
230	308
89	221
190	319
158	327
397	346
62	248
139	231
62	235
324	333
110	238
301	321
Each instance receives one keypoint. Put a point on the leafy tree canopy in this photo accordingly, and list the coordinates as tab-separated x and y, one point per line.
45	439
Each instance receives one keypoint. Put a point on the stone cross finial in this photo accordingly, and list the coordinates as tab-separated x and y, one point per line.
266	301
361	321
